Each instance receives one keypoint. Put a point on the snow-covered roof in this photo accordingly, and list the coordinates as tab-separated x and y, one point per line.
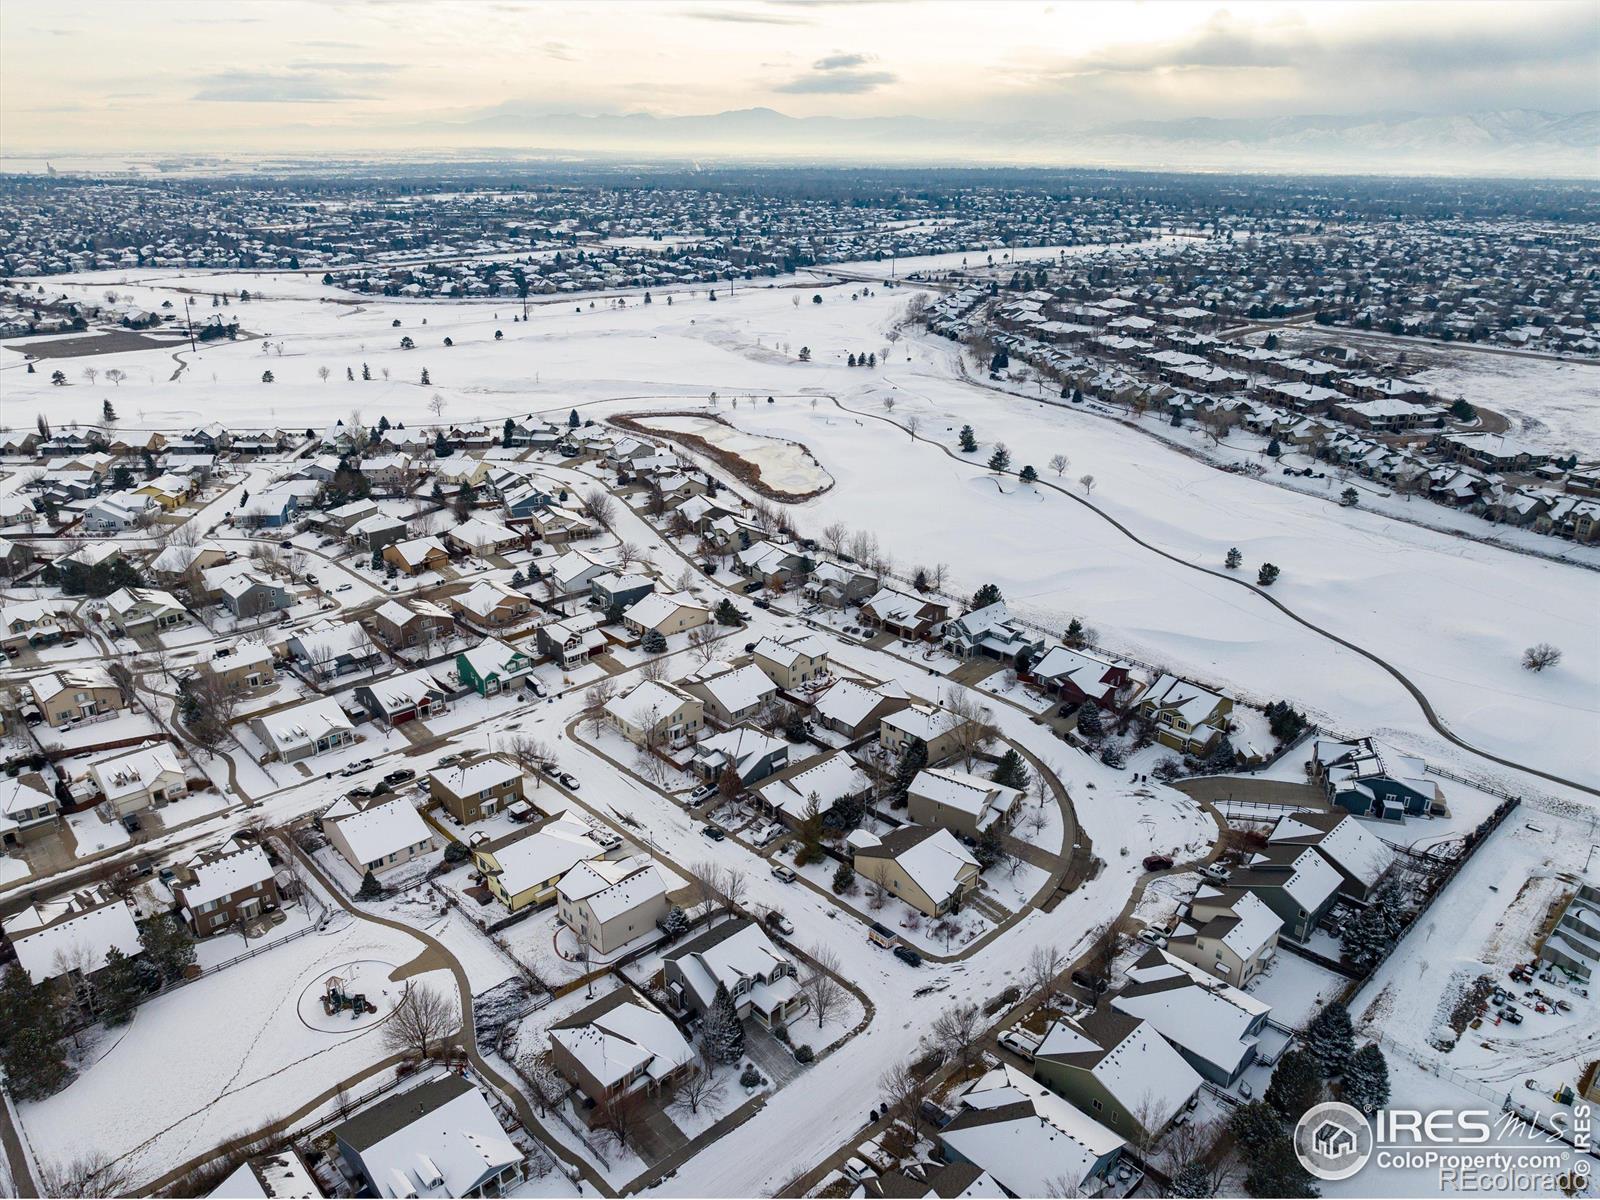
649	697
786	654
308	722
830	778
740	689
745	953
649	611
470	778
933	858
533	861
616	1043
1341	839
847	703
1025	1135
440	1139
612	887
493	657
383	829
281	1176
133	772
49	943
1134	1063
982	799
1194	1011
222	876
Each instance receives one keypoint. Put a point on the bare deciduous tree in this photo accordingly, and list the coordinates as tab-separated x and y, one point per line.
91	1175
704	1088
421	1022
1086	482
599	506
821	987
954	1034
904	1092
595	700
1059	463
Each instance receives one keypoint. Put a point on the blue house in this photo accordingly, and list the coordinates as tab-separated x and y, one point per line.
1370	779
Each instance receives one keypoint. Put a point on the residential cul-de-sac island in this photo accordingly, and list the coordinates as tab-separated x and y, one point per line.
831	734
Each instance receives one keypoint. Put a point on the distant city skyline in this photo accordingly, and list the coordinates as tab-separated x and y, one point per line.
296	76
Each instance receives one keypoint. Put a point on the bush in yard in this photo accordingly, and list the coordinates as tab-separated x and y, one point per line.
843	879
654	642
455	852
750	1077
1111	754
803	1054
370	888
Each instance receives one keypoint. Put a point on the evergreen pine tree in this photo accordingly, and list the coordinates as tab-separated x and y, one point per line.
1011	771
425	380
370	888
726	613
1294	1086
1366	1079
1028	474
1364	940
441	447
1331	1040
724	1034
1267	575
1089	723
572	419
1275	1170
654	642
675	923
843	878
1000	459
988	594
120	988
989	849
1234	559
33	1061
912	759
505	433
1253	1125
168	946
1074	636
1192	1181
969	443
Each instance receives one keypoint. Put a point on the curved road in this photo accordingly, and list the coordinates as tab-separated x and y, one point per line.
1417	694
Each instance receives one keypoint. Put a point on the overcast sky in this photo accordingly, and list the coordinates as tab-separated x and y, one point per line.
285	75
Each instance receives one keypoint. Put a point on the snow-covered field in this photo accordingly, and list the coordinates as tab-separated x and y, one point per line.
784	466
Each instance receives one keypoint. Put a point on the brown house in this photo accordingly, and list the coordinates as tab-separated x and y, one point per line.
620	1044
218	889
471	791
413	623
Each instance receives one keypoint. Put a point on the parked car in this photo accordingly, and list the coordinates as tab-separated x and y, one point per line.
344	587
286	544
1019	1044
312	580
768	833
712	832
570	782
1215	872
359	793
1089	982
1153	936
780	922
908	956
701	792
449	760
395	778
784	873
356	767
534	686
857	1171
1157	862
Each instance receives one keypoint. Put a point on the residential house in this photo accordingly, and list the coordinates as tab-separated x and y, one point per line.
1213	1024
308	729
440	1138
607	903
482	537
1573	945
572	640
1372	779
244	593
132	781
221	888
66	697
333	648
525	869
830	778
417	556
410	696
280	1176
475	789
28	809
69	938
167	491
1117	1069
940	730
770	565
251	664
905	616
377	833
376	532
749	753
1029	1140
558	525
855	710
926	867
733	695
492	666
967	805
1360	858
657	714
182	565
489	604
794	663
611	590
407	623
1295	882
119	512
760	979
619	1044
575	571
1077	676
1187	717
1234	935
666	613
994	632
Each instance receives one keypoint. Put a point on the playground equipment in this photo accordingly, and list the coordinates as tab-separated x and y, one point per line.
335	999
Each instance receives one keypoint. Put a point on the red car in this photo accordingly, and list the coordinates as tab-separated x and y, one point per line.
1157	862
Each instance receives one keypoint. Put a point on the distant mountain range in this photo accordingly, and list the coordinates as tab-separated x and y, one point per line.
1514	141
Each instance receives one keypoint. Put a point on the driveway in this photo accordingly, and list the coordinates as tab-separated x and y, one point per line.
656	1137
771	1057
